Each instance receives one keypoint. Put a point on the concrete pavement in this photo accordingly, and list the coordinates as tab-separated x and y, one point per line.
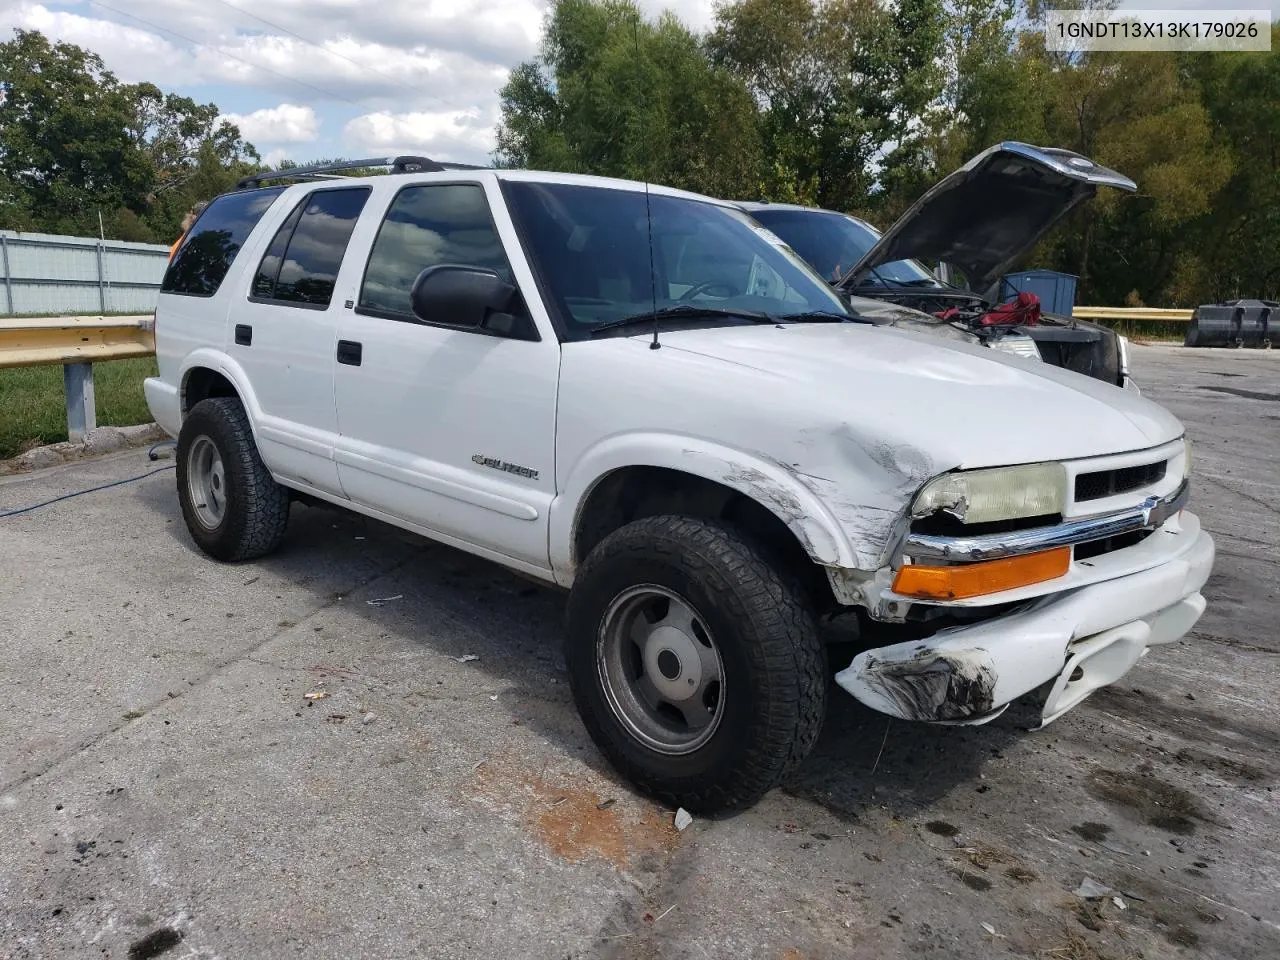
168	788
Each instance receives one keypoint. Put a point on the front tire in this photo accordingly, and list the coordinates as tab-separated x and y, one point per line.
233	508
695	665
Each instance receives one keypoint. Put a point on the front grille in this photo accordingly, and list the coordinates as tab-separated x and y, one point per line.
943	524
1108	483
1097	548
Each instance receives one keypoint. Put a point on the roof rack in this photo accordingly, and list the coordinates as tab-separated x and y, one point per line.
323	171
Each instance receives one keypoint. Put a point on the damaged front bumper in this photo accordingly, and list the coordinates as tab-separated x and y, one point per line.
1081	639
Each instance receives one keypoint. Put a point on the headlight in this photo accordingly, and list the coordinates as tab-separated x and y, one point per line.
1126	376
1018	346
1005	493
1186	458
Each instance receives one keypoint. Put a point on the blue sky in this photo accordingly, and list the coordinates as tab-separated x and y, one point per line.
315	78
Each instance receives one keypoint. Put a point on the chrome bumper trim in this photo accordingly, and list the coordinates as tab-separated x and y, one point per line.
1147	515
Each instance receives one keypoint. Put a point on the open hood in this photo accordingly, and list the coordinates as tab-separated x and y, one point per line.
990	212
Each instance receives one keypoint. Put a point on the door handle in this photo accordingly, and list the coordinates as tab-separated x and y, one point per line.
244	334
350	352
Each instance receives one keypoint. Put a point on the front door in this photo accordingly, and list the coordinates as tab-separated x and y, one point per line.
449	428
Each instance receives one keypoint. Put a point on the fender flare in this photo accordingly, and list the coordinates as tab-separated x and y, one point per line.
768	482
208	358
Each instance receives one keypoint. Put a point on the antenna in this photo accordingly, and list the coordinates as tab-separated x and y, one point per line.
648	212
653	276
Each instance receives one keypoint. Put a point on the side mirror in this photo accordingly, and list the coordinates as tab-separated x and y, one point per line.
459	295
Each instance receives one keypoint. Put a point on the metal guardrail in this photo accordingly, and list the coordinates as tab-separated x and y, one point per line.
1133	313
76	343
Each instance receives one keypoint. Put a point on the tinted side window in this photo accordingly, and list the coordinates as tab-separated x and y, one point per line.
425	226
264	283
214	241
307	269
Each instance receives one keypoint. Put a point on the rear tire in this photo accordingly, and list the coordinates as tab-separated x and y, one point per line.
668	601
233	508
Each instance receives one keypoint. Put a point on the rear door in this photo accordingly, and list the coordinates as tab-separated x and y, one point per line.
285	327
450	428
191	312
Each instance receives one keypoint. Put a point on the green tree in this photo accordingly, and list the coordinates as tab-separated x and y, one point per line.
80	152
843	87
615	94
172	131
1138	113
997	81
1237	253
65	150
1145	114
193	154
898	85
787	55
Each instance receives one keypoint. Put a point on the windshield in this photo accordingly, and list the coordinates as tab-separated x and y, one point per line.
832	243
589	247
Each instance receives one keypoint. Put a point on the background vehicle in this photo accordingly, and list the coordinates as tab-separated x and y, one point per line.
982	219
630	392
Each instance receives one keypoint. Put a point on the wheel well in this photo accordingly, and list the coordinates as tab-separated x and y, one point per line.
203	383
636	492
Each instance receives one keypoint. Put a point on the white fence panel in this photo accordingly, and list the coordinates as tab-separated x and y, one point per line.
42	273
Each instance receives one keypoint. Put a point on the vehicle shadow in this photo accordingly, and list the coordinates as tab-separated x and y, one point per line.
865	758
455	605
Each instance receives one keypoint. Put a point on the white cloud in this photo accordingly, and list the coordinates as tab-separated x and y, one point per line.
273	158
133	54
398	57
423	75
458	135
286	123
499	30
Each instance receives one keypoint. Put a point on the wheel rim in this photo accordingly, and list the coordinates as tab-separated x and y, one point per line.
660	669
206	483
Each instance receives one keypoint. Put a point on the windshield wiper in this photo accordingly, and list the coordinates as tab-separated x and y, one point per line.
687	311
816	316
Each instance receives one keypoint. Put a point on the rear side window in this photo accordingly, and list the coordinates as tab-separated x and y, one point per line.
264	283
301	265
215	239
426	226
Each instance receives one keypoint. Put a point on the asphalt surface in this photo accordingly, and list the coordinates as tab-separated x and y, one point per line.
167	789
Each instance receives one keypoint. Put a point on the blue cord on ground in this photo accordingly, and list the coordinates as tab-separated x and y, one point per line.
151	454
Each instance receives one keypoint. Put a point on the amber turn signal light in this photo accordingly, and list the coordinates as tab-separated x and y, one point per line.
978	579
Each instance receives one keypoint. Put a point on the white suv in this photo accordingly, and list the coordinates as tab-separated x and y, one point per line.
639	394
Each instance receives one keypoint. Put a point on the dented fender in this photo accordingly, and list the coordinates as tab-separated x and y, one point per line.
869	484
778	488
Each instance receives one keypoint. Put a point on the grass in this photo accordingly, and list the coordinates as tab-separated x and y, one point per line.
33	406
1151	331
